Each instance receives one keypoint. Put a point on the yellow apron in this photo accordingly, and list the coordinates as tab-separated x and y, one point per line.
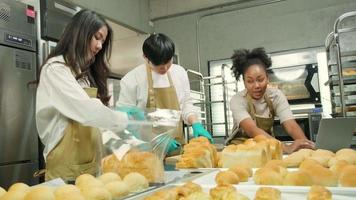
264	123
78	151
164	98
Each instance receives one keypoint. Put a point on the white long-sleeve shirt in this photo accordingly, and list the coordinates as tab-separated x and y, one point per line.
134	88
60	98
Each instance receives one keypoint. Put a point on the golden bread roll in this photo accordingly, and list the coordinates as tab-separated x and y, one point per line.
267	176
187	189
19	187
348	176
136	181
322	153
40	193
166	194
297	178
197	196
109	177
96	193
295	158
322	160
276	149
226	178
249	156
87	181
145	163
117	189
260	138
227	192
338	167
66	189
347	154
2	191
318	192
319	174
14	195
110	164
276	163
267	193
71	197
242	172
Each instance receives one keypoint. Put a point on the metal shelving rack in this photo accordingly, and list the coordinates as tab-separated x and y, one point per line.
341	57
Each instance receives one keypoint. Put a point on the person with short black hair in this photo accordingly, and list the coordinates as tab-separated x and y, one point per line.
255	108
160	84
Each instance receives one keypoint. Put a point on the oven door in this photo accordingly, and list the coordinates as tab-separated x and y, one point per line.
300	83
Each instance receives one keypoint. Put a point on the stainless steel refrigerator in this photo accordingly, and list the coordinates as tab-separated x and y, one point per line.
18	134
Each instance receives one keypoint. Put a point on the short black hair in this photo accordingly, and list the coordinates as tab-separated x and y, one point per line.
158	48
242	59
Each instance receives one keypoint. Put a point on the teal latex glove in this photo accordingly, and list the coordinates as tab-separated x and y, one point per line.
133	113
173	145
199	130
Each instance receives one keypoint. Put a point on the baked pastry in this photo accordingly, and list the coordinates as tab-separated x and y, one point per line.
136	181
19	187
322	153
87	181
2	191
13	195
96	193
297	178
276	163
109	177
276	149
267	193
167	194
145	163
197	196
226	178
268	176
40	193
187	189
68	192
347	154
319	174
249	156
318	192
110	164
226	192
295	158
338	167
117	189
348	176
242	172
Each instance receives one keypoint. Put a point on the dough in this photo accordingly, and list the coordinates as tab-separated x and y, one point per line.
136	181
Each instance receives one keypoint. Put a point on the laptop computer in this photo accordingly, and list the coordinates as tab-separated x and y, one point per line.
335	133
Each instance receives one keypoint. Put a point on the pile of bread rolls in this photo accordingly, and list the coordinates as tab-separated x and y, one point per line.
145	163
106	187
198	153
254	152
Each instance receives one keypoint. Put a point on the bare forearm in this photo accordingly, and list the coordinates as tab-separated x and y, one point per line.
294	130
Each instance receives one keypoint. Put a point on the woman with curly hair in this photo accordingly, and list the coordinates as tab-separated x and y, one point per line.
255	108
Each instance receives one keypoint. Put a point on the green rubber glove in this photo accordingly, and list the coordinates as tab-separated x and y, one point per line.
199	130
173	145
133	113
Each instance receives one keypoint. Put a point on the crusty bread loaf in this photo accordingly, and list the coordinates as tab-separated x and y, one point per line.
267	193
244	155
319	174
348	176
297	178
318	192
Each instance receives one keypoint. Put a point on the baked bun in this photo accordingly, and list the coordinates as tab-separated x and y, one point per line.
40	193
198	196
87	181
68	192
337	168
226	178
252	156
117	189
318	192
187	189
348	176
319	174
96	193
297	178
242	172
145	163
294	159
19	187
276	163
13	195
2	191
166	194
109	177
226	192
268	176
110	164
267	193
347	154
136	181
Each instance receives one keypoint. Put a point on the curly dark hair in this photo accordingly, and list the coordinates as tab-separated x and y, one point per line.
242	59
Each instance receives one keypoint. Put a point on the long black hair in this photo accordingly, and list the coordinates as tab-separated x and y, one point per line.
243	58
74	45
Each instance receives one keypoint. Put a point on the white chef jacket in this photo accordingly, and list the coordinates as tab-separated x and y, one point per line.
134	88
61	97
